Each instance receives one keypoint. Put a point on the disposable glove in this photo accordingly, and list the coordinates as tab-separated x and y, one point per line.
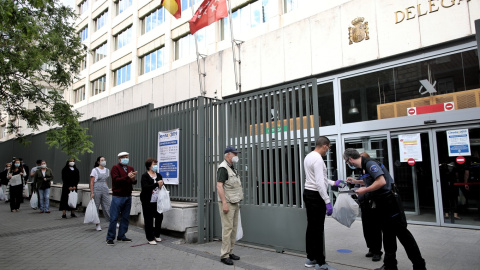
340	183
329	209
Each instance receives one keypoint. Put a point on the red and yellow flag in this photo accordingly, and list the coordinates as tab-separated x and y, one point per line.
209	12
174	7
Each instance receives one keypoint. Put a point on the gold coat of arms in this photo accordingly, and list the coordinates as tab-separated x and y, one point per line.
359	31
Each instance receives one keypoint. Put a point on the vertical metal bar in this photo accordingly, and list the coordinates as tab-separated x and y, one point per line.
307	116
253	163
316	113
265	151
201	169
289	146
296	157
277	180
302	136
258	137
282	151
270	150
248	147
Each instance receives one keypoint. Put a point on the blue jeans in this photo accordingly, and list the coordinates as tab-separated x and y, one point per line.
120	206
44	196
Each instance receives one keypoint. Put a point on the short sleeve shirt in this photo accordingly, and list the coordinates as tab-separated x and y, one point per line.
94	173
222	174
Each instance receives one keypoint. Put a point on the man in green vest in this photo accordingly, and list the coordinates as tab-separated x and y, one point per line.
230	193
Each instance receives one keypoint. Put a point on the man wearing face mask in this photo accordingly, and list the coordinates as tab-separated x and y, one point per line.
389	209
317	203
123	179
230	193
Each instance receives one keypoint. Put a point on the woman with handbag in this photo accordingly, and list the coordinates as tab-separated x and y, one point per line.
99	188
70	179
15	174
42	178
151	183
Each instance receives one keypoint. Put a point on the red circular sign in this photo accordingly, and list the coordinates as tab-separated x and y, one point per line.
411	161
460	160
411	111
448	106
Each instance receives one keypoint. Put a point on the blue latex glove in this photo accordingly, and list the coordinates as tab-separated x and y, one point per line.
340	183
329	209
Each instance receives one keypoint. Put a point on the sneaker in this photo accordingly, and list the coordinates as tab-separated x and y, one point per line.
125	240
324	267
153	242
158	239
64	216
234	257
73	215
110	243
227	261
310	263
48	211
98	228
369	254
376	257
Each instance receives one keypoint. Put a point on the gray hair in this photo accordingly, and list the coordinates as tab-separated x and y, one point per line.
350	153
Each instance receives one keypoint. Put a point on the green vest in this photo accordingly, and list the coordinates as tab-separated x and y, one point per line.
232	187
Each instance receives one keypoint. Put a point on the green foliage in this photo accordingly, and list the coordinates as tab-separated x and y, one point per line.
40	53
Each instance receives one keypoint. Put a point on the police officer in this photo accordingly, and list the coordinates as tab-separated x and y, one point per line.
390	210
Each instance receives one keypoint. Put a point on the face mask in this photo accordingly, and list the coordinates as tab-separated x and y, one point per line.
71	164
155	168
17	164
44	166
124	161
235	159
351	167
103	163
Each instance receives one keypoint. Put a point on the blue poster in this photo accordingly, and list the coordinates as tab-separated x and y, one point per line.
168	149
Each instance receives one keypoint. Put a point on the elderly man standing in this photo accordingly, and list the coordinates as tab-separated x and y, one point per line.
230	193
123	177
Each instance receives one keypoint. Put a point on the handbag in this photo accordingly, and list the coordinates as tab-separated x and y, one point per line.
2	196
26	194
163	201
239	228
72	199
91	214
34	200
345	210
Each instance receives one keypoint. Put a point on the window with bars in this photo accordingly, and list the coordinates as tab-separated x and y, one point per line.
101	20
122	5
100	52
83	33
99	85
153	60
123	38
79	94
122	74
152	20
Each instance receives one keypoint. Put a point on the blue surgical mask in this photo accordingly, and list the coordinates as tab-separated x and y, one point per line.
155	168
124	161
17	164
351	167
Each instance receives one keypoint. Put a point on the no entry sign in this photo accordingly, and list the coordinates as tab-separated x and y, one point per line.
460	160
411	161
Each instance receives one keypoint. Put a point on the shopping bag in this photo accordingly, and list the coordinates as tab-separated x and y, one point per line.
91	214
34	200
72	199
26	194
2	196
239	228
345	210
163	201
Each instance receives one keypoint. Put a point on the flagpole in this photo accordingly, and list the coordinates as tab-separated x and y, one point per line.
238	85
200	74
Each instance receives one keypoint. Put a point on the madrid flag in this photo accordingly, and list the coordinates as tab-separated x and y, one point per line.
174	7
209	12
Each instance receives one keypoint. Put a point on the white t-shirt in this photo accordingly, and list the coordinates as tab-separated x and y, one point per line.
94	172
316	175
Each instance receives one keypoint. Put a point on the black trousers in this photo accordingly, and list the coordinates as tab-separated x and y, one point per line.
149	213
372	229
16	196
394	225
316	210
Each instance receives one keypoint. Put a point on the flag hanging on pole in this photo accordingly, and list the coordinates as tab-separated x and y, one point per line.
174	7
209	12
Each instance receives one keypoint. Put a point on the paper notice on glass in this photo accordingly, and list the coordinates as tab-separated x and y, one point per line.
410	147
458	143
168	157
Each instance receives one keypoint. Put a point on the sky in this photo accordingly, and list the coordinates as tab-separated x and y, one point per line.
70	3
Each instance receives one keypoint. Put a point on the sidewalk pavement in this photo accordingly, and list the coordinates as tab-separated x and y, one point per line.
30	240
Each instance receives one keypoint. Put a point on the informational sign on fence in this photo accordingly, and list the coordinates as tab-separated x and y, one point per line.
168	157
410	147
458	143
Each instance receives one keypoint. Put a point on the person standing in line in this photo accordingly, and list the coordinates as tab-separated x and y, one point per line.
317	202
32	177
15	174
390	210
25	179
4	181
123	179
42	178
99	188
229	193
70	179
151	183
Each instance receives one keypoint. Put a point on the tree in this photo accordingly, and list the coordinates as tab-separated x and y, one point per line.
40	53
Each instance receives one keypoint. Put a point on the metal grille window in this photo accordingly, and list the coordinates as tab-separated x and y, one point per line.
123	38
83	7
100	20
154	19
99	85
153	60
122	74
122	5
83	33
79	94
100	52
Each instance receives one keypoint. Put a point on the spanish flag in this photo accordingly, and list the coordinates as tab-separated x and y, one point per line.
174	7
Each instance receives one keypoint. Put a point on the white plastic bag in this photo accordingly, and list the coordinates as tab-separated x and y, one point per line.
239	228
163	201
2	196
345	210
72	199
26	194
34	200
91	214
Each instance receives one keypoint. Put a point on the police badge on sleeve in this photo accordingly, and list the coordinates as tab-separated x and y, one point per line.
374	168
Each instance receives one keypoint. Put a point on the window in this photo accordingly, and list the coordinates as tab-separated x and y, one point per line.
83	7
100	52
249	16
100	20
122	74
122	5
290	5
154	19
83	63
3	131
185	46
98	85
153	60
186	3
79	94
84	33
123	38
